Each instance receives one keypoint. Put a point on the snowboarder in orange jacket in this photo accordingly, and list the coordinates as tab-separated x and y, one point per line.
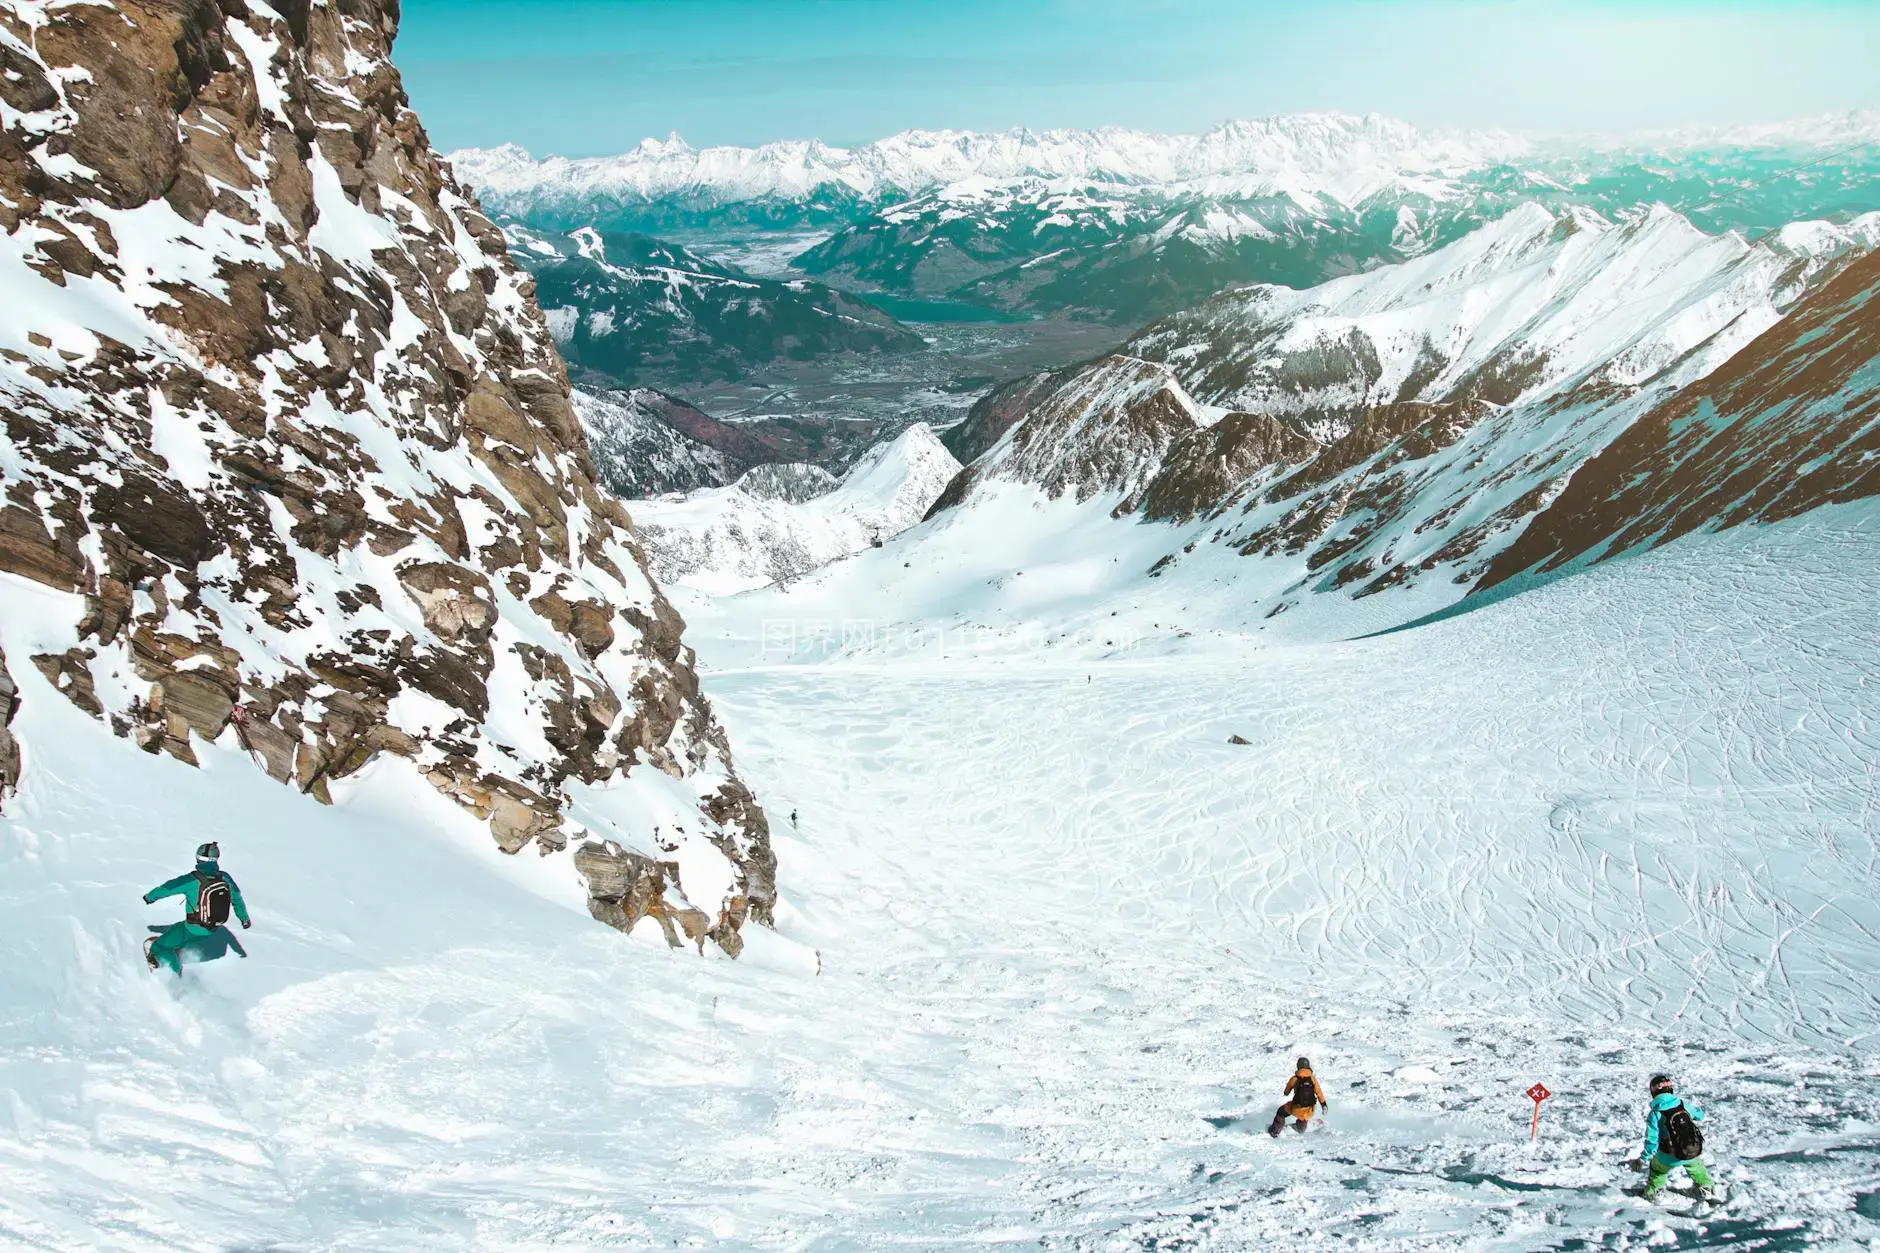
1303	1097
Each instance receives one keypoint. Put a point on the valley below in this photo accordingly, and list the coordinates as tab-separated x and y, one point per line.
935	385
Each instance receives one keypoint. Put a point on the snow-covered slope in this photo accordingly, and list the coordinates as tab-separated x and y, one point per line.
1788	425
1530	305
1398	429
288	460
733	538
1069	941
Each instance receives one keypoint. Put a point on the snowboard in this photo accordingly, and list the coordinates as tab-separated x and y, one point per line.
1251	1123
1682	1198
206	948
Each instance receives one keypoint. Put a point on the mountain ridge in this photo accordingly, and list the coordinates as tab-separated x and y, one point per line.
630	310
1326	144
1404	426
915	161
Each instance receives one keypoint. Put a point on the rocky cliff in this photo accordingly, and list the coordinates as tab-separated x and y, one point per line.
1097	429
289	454
638	452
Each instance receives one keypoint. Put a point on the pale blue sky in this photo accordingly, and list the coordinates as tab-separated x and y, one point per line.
581	77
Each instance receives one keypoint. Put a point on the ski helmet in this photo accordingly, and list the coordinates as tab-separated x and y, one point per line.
1660	1083
1305	1063
209	852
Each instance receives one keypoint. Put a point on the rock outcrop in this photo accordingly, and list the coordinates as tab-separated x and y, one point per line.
9	747
996	412
283	421
638	453
793	482
1097	429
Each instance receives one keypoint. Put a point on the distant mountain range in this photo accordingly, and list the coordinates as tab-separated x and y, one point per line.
628	309
1307	154
1122	226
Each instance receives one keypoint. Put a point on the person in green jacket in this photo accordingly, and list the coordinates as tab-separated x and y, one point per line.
1673	1140
209	895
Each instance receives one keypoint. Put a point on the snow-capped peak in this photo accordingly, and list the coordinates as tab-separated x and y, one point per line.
1331	153
658	149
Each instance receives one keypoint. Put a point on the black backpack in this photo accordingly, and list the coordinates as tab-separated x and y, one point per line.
1678	1135
213	900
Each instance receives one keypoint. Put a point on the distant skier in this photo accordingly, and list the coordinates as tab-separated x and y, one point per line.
209	894
1673	1140
1303	1098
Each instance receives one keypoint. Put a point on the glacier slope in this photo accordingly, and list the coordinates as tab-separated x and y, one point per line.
1067	937
747	535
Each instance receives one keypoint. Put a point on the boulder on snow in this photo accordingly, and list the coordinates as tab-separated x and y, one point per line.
624	887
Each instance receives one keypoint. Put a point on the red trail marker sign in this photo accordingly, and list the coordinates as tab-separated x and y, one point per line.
1537	1094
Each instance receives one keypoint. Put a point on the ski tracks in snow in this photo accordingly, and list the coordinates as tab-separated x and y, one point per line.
1622	825
1071	940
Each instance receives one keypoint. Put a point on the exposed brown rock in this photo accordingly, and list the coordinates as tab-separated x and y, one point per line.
29	549
1203	471
1788	424
592	626
70	672
1098	428
624	887
160	519
997	412
456	602
9	706
300	408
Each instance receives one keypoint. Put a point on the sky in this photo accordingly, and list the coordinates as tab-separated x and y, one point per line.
591	77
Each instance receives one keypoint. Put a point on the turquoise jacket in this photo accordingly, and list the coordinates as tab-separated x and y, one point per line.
189	887
1660	1103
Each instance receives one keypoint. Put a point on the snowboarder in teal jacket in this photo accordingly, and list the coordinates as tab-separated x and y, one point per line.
209	894
1669	1136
